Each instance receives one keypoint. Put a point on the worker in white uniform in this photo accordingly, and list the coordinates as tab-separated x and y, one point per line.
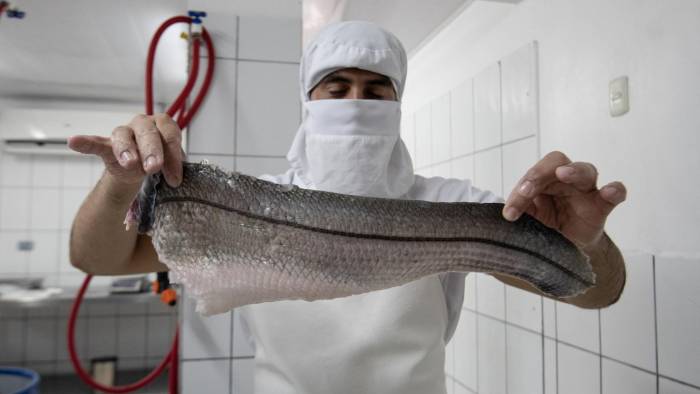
391	341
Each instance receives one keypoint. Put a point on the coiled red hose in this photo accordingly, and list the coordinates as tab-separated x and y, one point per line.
183	119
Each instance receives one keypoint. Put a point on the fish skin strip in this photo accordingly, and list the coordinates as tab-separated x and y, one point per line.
234	240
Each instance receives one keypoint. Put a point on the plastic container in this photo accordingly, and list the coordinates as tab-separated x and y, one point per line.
18	381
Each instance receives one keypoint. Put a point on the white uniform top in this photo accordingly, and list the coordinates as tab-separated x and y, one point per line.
390	341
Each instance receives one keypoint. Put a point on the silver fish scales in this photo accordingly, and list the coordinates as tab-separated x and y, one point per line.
233	240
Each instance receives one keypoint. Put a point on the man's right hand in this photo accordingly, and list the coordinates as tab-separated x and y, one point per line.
145	146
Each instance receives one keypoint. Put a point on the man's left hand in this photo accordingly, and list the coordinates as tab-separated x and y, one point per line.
563	195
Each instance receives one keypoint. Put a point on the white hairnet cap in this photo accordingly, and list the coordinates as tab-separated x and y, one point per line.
353	44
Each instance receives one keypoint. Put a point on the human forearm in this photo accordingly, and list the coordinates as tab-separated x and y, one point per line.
98	242
609	267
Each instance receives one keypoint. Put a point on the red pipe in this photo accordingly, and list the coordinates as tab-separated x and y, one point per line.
183	119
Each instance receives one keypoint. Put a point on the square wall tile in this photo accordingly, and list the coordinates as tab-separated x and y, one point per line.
424	154
222	28
518	157
550	366
549	318
462	118
519	93
76	172
71	200
132	336
492	356
487	171
449	384
212	130
210	374
408	134
243	376
524	361
490	296
45	209
16	170
459	389
257	166
627	327
243	342
13	260
578	326
44	257
579	371
273	39
227	162
81	338
670	387
46	171
204	337
160	335
440	129
102	336
40	344
678	320
621	379
15	209
12	340
470	292
465	350
463	167
268	108
487	108
442	170
523	308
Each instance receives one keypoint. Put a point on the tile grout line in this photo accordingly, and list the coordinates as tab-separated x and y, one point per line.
656	324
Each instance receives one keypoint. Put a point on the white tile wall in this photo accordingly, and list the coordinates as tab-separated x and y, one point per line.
462	119
273	39
578	371
678	320
222	28
465	350
213	128
470	292
519	90
667	386
524	361
487	105
423	155
487	171
257	166
243	346
523	309
492	356
628	327
550	366
213	376
463	168
268	112
243	376
518	157
490	296
622	379
204	337
577	326
440	127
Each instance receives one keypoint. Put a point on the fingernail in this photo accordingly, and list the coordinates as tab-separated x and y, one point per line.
567	171
526	188
125	156
149	162
510	213
609	192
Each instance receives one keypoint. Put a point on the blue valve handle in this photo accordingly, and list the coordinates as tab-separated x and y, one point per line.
196	16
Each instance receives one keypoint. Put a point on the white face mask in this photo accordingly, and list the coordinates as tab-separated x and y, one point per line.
353	147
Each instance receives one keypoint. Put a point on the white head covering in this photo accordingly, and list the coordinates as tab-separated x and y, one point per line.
352	146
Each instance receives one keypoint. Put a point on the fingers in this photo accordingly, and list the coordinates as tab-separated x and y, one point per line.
609	196
124	147
90	144
172	148
537	178
582	176
149	143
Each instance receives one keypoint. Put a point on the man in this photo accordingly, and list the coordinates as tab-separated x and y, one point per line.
390	341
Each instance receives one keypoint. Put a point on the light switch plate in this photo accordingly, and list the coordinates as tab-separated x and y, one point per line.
619	96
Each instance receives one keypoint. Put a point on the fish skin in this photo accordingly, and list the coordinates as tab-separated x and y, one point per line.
233	240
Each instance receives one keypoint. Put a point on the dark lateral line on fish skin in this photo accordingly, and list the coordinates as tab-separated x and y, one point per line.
376	236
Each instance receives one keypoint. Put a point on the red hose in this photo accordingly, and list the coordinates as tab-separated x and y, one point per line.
183	119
